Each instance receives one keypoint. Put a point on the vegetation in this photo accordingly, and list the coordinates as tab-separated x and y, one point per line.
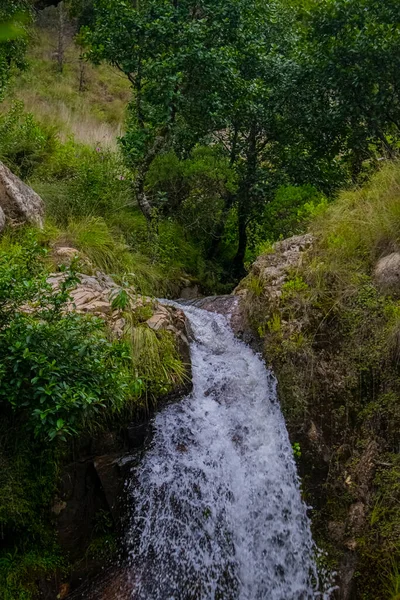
332	338
173	142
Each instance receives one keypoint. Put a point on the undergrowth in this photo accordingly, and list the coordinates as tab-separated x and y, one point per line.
62	376
332	337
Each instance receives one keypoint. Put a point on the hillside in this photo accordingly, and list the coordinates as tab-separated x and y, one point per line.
327	308
160	150
83	101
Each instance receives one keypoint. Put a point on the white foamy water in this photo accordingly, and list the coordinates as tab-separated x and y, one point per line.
216	506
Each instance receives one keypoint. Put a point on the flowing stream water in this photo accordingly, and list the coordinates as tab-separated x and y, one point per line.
217	512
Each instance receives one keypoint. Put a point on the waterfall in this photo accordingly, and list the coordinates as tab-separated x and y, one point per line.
216	506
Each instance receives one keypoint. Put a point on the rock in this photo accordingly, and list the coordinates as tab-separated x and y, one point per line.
387	274
2	220
94	295
356	520
190	292
81	495
273	268
231	307
111	481
64	255
18	201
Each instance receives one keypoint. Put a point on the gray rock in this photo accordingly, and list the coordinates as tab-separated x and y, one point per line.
2	220
387	274
18	201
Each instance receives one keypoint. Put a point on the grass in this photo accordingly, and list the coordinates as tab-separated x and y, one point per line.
332	338
93	116
361	225
155	361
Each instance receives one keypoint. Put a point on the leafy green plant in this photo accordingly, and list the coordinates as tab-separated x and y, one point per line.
296	450
57	369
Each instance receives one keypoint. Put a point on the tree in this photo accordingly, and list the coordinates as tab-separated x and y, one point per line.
174	53
347	80
14	15
200	72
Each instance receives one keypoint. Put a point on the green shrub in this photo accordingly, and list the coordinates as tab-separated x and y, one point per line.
59	372
24	144
19	572
288	213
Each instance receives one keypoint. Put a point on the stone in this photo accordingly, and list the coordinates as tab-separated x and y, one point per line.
273	269
231	307
18	201
94	295
111	481
2	220
158	321
387	274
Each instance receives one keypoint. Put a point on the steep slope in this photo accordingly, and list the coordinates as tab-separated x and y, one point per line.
326	307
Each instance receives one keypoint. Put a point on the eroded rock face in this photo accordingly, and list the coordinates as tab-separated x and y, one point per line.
273	268
19	202
387	274
2	220
94	295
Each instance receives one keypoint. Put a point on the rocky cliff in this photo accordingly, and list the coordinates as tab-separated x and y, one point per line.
331	337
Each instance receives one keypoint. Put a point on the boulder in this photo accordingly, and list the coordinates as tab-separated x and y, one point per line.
94	295
387	274
19	202
2	220
231	307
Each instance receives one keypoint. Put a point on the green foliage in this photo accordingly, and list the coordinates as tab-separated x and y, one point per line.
14	15
24	144
296	450
354	48
58	371
19	573
332	338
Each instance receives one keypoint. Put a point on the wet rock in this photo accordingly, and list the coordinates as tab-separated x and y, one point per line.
113	585
81	496
137	434
19	202
231	307
111	481
387	274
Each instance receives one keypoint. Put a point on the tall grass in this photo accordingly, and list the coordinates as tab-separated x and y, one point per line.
155	360
108	252
362	225
94	115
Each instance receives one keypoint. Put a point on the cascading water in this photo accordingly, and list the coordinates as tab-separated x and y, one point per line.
217	513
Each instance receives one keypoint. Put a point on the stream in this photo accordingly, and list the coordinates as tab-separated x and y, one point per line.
216	506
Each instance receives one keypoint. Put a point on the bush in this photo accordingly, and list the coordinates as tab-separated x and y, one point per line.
289	213
24	144
58	372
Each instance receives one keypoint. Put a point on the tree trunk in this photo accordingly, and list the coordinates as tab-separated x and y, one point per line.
244	201
61	38
238	262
